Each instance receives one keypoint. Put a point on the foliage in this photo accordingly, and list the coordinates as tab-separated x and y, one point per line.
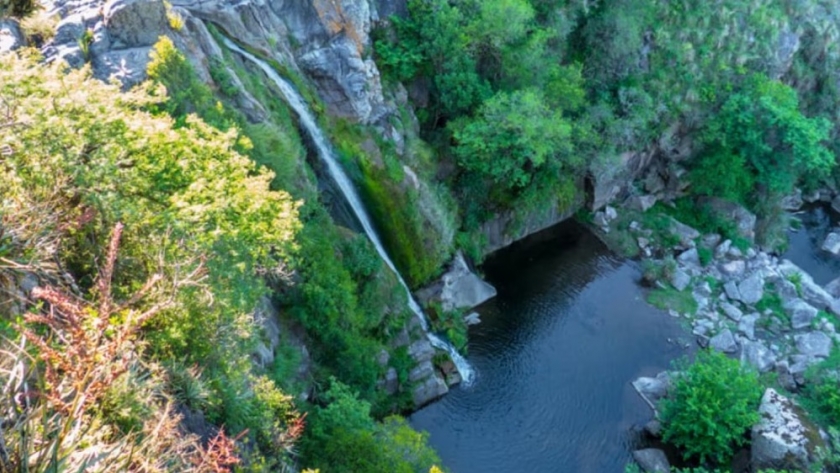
17	8
343	438
712	403
671	299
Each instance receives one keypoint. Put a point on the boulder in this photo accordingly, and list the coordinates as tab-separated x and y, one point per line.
801	313
126	65
782	439
751	289
831	243
758	355
680	280
833	288
11	37
653	389
458	288
813	344
427	391
641	202
724	342
686	234
743	219
814	294
731	311
732	292
734	268
746	326
652	460
135	23
421	350
472	318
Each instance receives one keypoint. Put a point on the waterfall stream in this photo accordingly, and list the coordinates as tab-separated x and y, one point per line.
349	191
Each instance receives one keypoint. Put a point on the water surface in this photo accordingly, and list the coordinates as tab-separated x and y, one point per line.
555	354
805	244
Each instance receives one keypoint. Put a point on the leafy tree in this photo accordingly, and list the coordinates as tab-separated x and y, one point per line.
712	403
512	136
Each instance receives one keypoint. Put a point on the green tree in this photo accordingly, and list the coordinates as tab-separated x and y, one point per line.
711	405
512	136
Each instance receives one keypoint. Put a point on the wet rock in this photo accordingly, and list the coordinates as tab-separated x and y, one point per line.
751	289
782	439
813	344
472	318
758	355
731	311
831	243
652	460
427	391
724	342
680	280
653	389
458	288
801	313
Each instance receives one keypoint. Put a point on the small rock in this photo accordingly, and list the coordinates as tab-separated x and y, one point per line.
801	313
710	241
689	257
680	280
600	219
610	213
832	243
652	460
642	202
833	288
785	377
813	344
653	389
724	342
751	289
787	291
731	311
654	428
643	242
751	253
685	233
781	439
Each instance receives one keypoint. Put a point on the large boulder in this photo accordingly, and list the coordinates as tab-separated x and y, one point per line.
831	243
458	288
801	313
813	344
653	389
652	460
135	23
724	342
751	289
783	438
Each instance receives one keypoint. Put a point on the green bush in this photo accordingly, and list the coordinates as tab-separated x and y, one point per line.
712	404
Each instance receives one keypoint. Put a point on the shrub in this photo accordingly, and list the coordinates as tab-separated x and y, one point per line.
712	404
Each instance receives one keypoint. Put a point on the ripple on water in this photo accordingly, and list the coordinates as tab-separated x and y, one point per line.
555	353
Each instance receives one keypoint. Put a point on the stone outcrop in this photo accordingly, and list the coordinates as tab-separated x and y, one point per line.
782	439
458	288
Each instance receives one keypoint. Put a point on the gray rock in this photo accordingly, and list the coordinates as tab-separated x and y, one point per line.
782	439
801	313
685	233
458	288
652	460
422	371
731	311
831	243
136	23
746	326
654	428
756	354
792	202
735	252
126	65
813	344
610	213
732	292
11	37
731	212
814	294
835	204
751	289
600	219
472	318
734	268
642	202
703	327
421	350
391	383
785	377
833	288
710	240
680	280
653	389
724	342
643	242
723	249
787	291
427	391
690	257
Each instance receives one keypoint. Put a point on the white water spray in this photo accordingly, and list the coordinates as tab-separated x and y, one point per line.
337	172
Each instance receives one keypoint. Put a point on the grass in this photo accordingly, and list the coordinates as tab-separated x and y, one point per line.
669	298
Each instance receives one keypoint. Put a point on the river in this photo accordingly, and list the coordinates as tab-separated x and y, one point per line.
555	354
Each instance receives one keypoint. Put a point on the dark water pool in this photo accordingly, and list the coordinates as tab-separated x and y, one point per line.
805	243
555	353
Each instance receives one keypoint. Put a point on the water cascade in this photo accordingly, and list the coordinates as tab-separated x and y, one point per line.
349	191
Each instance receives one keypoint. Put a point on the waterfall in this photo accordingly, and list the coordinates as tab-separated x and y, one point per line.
337	172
